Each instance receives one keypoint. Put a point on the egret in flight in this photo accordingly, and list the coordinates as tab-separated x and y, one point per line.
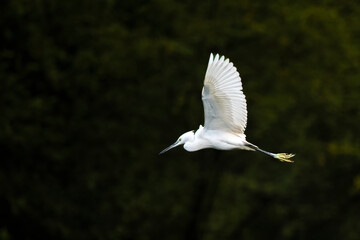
225	113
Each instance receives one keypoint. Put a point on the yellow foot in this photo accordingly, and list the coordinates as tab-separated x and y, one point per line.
284	157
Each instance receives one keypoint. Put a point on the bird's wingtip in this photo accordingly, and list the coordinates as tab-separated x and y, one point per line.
216	57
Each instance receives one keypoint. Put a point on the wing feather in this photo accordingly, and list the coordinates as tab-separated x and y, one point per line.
223	98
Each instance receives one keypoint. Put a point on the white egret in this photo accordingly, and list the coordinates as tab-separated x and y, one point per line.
225	113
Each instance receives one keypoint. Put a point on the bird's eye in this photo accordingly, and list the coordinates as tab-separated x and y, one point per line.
179	140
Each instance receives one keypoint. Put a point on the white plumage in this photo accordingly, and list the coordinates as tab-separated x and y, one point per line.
225	113
223	99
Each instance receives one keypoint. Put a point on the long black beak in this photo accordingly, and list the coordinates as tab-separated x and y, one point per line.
170	147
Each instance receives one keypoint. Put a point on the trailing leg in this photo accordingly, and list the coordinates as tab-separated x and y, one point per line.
283	157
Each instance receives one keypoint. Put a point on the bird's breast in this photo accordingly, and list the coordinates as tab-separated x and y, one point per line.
196	145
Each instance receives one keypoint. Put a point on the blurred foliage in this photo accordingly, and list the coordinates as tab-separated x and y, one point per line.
91	91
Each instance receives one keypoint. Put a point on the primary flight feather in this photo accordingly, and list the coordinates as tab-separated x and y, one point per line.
225	113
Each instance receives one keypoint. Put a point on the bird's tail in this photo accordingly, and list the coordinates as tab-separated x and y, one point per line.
283	157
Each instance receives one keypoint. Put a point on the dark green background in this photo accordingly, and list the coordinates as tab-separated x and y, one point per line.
92	91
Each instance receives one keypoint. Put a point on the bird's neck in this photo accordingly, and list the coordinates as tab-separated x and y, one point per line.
195	143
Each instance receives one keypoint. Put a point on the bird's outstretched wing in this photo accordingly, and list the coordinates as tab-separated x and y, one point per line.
222	96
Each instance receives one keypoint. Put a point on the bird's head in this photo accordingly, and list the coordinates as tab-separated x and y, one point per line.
186	137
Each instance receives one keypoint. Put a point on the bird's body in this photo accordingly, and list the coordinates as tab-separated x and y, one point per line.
217	139
225	113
